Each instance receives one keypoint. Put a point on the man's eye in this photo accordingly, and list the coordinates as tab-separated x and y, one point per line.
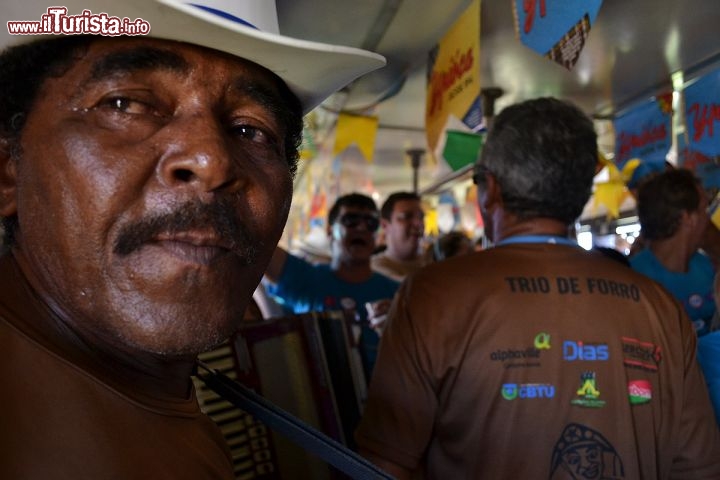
127	105
251	133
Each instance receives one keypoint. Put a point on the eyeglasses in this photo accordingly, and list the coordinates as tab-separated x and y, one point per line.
409	216
353	220
479	174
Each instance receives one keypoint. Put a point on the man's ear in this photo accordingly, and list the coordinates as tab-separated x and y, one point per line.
490	196
8	179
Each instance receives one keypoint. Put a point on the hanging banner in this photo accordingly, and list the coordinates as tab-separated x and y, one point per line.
644	132
556	29
702	141
461	148
453	80
358	130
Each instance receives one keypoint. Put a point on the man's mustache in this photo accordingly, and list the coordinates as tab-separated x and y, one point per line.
220	216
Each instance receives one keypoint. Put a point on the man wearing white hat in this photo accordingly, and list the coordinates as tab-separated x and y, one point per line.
144	183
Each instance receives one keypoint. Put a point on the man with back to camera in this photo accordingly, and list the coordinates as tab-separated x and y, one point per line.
144	184
552	362
347	283
402	220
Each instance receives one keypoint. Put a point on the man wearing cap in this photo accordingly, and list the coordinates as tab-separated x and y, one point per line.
347	283
552	361
402	221
144	184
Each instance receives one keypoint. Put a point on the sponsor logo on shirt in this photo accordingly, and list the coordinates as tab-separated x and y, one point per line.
588	395
348	303
523	357
511	391
639	391
574	351
542	341
695	300
642	355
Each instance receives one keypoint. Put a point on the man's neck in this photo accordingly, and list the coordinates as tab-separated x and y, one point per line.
673	253
396	256
352	271
146	372
510	226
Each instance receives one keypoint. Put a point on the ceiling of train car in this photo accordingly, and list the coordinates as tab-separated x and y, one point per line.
633	48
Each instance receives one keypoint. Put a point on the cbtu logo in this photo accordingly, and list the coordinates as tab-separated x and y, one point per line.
511	391
580	351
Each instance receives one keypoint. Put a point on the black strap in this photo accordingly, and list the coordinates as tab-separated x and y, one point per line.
291	427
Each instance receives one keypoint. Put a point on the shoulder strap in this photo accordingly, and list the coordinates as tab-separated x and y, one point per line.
312	440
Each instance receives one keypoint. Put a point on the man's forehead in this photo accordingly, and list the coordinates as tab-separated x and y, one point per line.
356	209
112	55
107	58
407	205
111	59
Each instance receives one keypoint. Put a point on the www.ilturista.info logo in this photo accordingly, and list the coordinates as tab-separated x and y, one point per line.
57	22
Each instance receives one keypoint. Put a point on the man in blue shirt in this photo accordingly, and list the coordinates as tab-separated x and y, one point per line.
348	282
672	209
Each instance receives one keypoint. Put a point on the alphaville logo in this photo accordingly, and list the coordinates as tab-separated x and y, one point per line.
523	357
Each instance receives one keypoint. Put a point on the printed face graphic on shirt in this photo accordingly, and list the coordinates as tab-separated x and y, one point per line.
583	461
582	453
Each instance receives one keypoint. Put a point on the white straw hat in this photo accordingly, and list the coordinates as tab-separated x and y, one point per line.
245	28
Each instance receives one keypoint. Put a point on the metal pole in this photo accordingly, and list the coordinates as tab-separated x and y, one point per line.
415	157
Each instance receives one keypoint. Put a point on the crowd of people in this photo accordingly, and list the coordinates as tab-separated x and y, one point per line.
144	186
588	365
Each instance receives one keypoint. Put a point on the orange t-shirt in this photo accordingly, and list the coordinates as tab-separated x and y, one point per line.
539	361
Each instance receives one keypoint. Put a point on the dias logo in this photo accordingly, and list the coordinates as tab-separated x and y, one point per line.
511	391
581	351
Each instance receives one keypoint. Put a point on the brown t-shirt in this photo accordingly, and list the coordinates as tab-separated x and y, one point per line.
539	361
59	421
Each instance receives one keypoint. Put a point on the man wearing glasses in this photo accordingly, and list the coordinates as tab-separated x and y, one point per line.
404	226
348	282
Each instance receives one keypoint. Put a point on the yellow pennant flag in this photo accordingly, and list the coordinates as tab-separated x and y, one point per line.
356	129
612	194
431	223
716	218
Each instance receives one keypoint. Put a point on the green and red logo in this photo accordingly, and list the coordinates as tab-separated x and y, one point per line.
639	391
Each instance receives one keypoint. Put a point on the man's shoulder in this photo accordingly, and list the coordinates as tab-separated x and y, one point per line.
295	263
642	258
702	263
